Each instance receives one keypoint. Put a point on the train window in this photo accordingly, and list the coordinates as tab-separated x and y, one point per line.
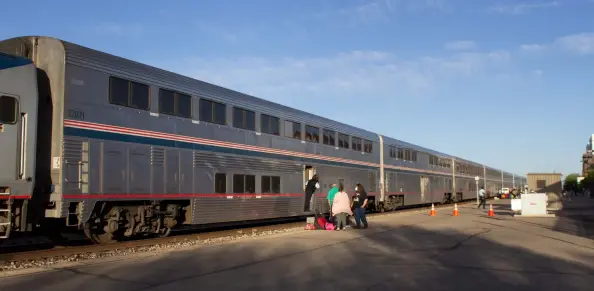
166	102
244	183
139	96
400	154
270	184
220	183
312	134
356	143
414	156
238	183
183	105
8	110
129	93
293	129
265	184
174	103
329	137
276	184
269	124
392	152
407	154
343	141
118	91
250	184
367	146
213	112
244	119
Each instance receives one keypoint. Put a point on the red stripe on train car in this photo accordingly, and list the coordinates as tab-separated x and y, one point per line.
17	197
176	195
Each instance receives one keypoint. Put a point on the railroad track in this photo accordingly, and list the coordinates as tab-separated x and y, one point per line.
93	251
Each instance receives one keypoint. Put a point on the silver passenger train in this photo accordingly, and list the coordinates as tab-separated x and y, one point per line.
116	148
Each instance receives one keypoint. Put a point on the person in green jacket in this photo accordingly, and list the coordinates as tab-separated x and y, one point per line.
331	193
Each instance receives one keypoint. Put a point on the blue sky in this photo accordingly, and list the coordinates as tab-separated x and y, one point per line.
504	83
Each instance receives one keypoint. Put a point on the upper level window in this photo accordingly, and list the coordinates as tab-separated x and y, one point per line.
269	124
244	119
343	141
329	137
129	93
400	154
293	129
367	146
312	133
8	110
213	112
414	156
174	103
356	143
392	152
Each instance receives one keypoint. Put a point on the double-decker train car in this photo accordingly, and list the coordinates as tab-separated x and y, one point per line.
116	148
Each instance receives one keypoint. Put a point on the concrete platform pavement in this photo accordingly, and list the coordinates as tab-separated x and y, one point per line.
398	252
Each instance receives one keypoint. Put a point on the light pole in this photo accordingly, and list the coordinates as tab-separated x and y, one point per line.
477	178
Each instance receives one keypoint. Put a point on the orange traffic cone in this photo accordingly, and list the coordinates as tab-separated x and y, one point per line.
432	212
491	212
456	212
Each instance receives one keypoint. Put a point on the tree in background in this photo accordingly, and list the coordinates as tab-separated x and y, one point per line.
588	182
571	183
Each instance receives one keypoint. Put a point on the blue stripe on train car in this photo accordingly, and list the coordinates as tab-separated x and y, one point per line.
101	135
10	61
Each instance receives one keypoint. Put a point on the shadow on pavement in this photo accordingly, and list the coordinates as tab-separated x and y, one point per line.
407	257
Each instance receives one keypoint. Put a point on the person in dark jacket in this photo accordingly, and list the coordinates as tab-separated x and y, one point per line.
359	204
312	185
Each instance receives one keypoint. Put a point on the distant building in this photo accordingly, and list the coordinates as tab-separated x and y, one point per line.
588	157
545	182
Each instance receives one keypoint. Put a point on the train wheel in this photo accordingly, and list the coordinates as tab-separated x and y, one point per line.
164	232
94	231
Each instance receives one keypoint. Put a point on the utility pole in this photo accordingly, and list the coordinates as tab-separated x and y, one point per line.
477	178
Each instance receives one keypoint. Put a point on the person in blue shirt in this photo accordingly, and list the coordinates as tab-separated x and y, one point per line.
482	198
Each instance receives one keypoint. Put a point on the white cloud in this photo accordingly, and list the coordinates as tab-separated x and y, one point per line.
384	10
581	43
460	45
114	29
532	47
538	72
373	74
522	8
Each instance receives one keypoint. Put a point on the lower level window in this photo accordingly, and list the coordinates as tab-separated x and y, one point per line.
270	184
244	183
220	183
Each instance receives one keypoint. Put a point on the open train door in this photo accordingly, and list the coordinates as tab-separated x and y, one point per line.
308	173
